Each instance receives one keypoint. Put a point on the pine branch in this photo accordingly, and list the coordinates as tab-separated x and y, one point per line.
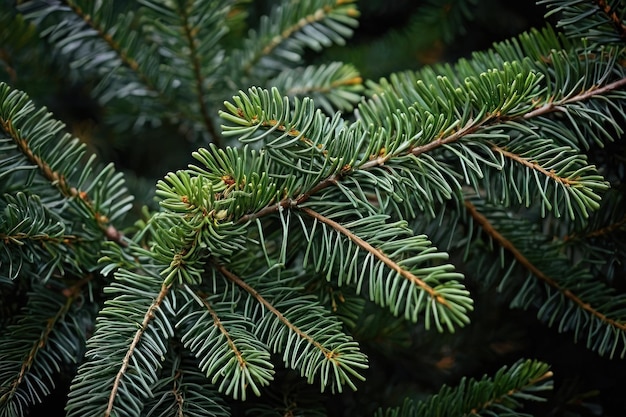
103	33
37	345
600	242
131	334
89	34
156	304
199	79
565	175
258	253
116	51
379	255
289	28
563	71
335	86
237	280
489	120
200	215
183	390
403	296
499	395
229	353
396	268
560	105
598	20
534	166
189	34
594	297
501	240
36	136
35	348
33	235
297	131
323	352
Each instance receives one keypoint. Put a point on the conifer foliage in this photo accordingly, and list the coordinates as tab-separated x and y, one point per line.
315	200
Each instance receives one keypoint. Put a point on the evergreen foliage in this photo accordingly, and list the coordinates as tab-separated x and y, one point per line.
325	221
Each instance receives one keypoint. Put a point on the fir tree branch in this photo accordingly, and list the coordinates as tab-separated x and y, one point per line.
373	163
59	181
510	393
126	60
248	114
197	72
229	354
317	16
328	354
38	344
552	106
613	16
131	348
526	263
534	166
498	395
20	237
473	126
218	323
603	231
52	176
378	254
466	130
184	390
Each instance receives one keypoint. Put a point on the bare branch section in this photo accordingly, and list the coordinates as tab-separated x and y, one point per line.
148	317
378	254
519	256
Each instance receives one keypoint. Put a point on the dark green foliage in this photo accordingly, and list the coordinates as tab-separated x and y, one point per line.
317	243
500	395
